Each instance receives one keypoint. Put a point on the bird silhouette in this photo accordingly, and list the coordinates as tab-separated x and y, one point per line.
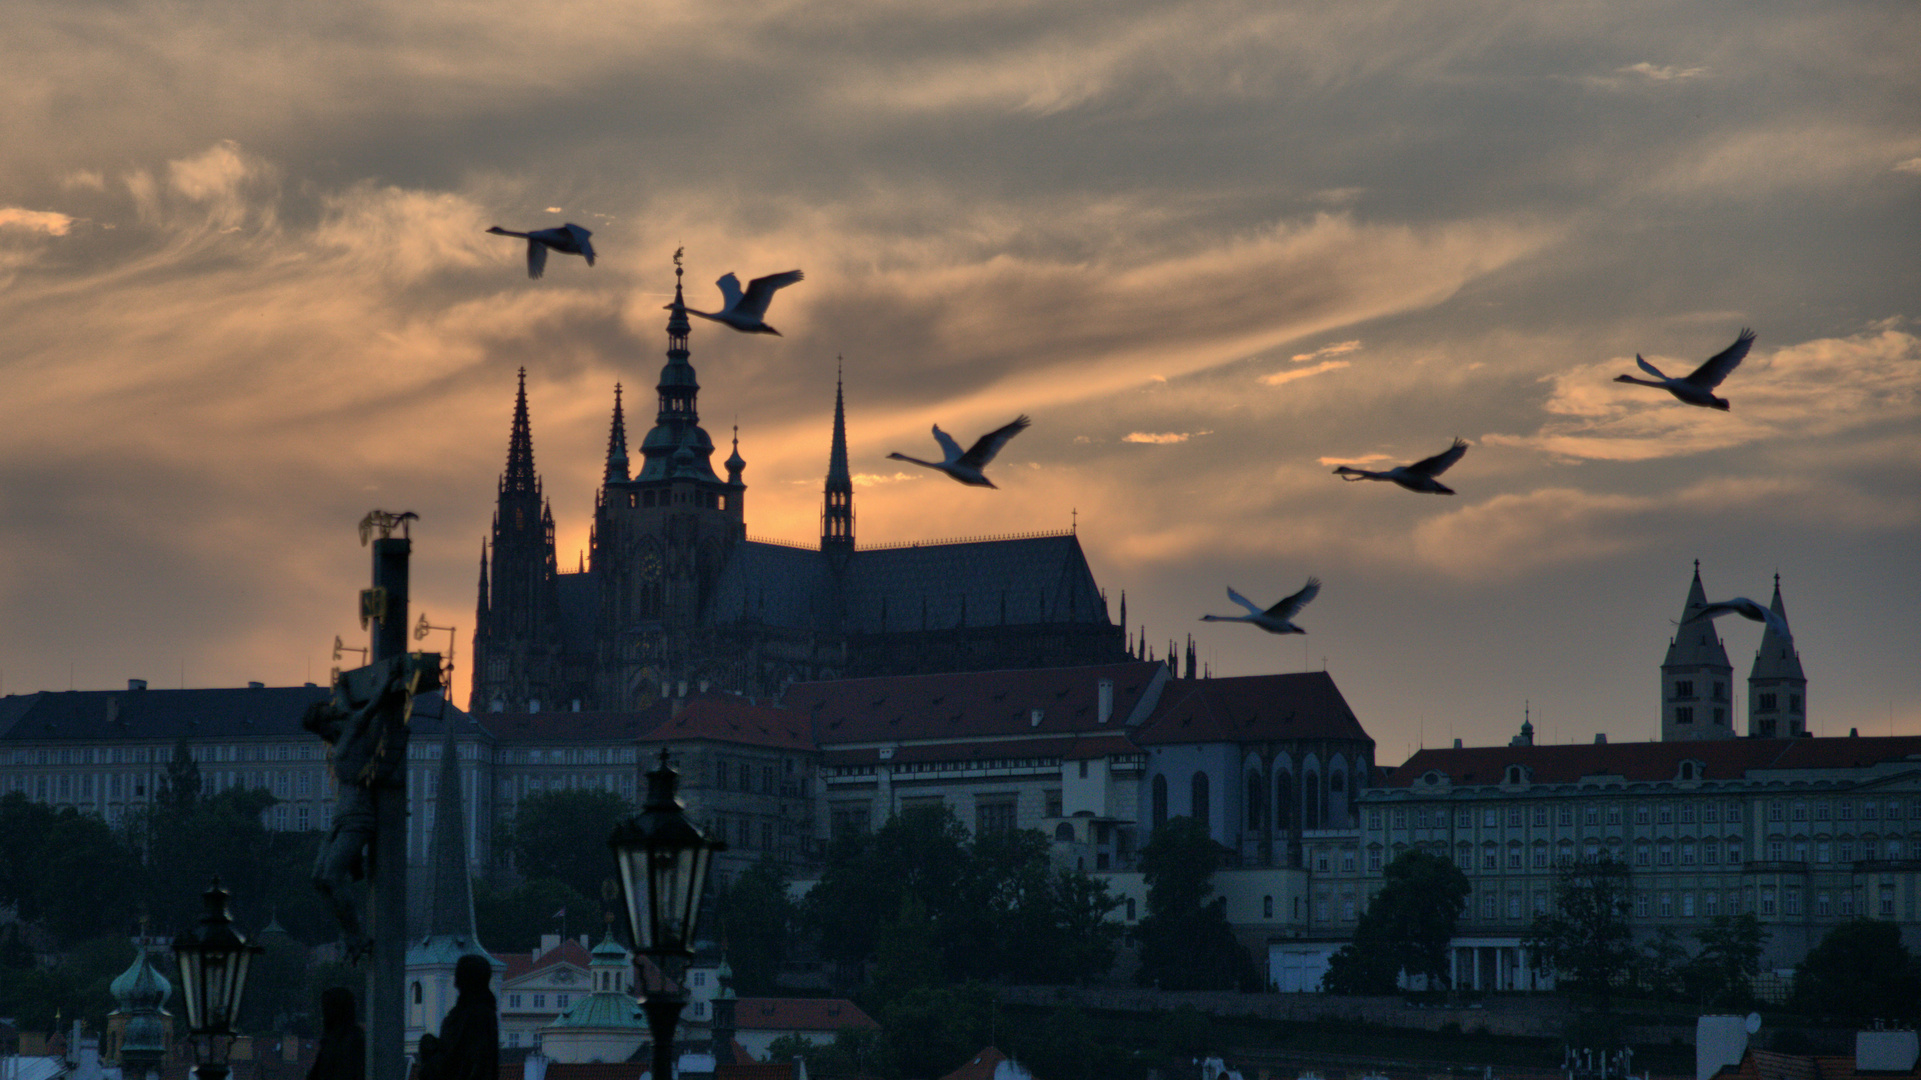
568	239
1747	609
967	467
1416	477
1278	619
1697	387
746	311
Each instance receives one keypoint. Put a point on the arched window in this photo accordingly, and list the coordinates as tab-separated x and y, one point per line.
1256	802
1283	802
1310	800
1199	788
1160	800
1064	832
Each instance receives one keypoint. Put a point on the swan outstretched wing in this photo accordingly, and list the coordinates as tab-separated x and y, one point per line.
988	445
1439	463
1709	375
1252	607
729	292
760	291
949	449
536	258
1290	607
1647	367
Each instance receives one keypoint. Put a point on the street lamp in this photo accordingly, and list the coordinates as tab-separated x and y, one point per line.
662	860
213	976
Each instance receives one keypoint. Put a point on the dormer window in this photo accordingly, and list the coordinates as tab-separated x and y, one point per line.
1516	774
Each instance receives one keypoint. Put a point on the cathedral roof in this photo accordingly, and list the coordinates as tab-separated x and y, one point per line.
1252	708
774	585
935	586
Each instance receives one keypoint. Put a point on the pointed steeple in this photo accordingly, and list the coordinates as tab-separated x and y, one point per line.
1777	687
1696	678
519	476
837	507
451	904
617	444
677	447
481	609
735	463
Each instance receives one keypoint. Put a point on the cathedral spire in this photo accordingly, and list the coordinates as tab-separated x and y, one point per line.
617	444
1696	676
520	447
1777	687
837	509
481	613
452	900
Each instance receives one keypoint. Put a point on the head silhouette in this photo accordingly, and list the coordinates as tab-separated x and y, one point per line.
472	974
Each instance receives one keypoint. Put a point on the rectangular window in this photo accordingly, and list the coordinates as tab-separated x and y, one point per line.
1734	855
1513	817
1463	819
1767	900
1490	818
1775	810
302	820
1320	860
1540	903
1664	815
1591	815
1684	714
1540	857
1540	816
1822	853
1821	810
1847	903
513	1001
1567	817
1400	819
1776	851
1490	860
1643	855
1347	860
1823	904
1641	814
1420	818
1667	905
1800	812
1847	851
1844	811
1799	852
1514	858
1347	908
1869	810
1640	905
1711	904
1687	854
1374	859
1513	905
1791	900
1684	688
1687	905
1688	812
1374	820
1487	907
1710	813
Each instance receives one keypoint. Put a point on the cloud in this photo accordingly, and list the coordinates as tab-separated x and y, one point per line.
1161	439
46	221
1280	377
1338	349
1661	73
1816	388
1912	165
867	480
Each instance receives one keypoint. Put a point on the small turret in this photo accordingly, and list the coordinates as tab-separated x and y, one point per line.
1696	676
1777	687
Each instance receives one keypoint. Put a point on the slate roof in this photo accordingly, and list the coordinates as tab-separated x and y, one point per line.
799	1014
1040	579
1252	708
973	704
936	585
263	712
1722	759
736	722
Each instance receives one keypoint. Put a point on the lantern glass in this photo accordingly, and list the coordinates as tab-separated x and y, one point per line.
663	861
213	967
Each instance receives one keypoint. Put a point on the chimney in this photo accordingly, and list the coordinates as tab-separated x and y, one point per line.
1600	738
1105	712
1034	717
136	684
1457	744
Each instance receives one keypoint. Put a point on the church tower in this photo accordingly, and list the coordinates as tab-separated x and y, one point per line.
1695	677
660	536
517	619
1777	689
837	508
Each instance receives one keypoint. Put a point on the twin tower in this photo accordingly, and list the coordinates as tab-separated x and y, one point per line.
1697	681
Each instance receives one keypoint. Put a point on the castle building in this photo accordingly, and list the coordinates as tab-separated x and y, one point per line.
673	592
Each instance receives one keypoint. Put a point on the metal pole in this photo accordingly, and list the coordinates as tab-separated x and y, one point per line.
387	922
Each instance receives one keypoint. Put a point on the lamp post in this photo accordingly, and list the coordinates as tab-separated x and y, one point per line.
662	861
213	976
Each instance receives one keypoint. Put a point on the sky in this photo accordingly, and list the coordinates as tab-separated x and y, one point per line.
1214	248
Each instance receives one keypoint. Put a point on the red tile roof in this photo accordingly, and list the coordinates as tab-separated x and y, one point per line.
1300	705
1770	1065
979	1067
981	703
736	722
799	1014
570	951
1722	759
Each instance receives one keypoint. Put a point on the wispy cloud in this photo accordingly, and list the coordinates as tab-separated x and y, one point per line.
867	480
46	221
1912	165
1280	377
1661	73
1163	438
1341	348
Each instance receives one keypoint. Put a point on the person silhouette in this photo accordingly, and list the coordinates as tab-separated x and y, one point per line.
468	1046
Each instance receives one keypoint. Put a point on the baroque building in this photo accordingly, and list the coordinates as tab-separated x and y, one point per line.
672	592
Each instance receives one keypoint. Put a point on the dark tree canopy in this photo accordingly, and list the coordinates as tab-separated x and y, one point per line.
1861	971
563	835
1584	938
1405	928
1186	942
1721	975
755	917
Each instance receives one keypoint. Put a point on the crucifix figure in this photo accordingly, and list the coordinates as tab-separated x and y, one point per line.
365	727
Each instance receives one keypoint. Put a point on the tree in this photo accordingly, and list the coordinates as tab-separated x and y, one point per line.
1584	939
563	835
512	920
921	852
1721	975
1186	942
1861	971
179	789
753	916
1405	928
